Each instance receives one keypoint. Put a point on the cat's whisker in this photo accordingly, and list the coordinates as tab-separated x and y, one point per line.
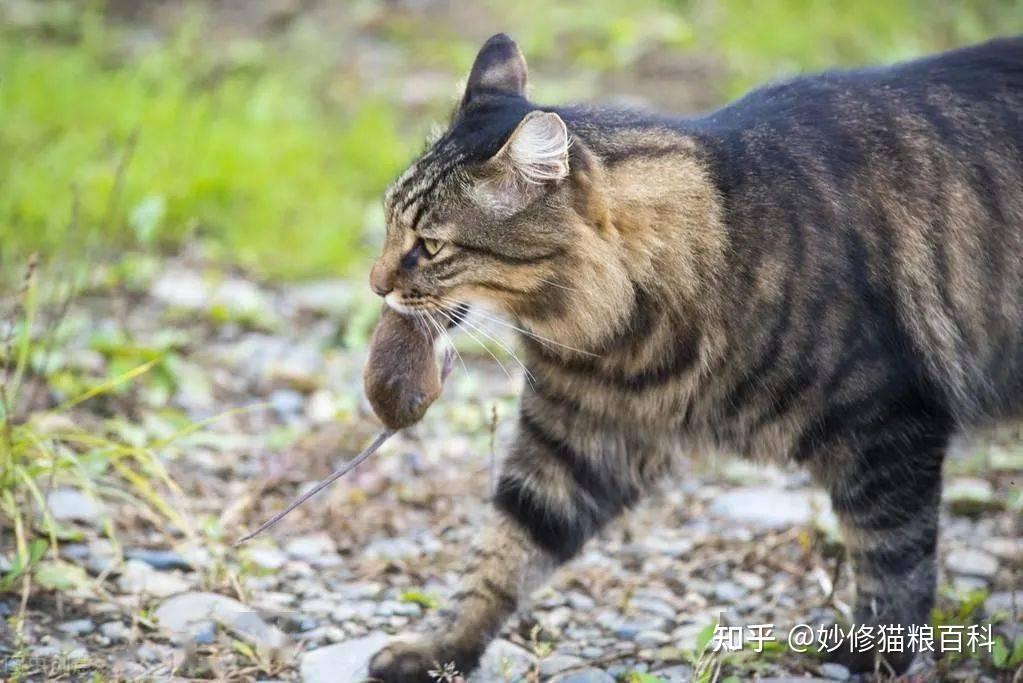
475	310
479	328
458	324
451	342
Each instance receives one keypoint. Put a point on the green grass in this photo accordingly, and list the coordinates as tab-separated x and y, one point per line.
167	146
270	157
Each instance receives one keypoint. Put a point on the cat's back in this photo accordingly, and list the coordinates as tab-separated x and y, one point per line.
895	193
952	91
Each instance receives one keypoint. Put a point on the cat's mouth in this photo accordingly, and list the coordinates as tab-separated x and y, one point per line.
415	303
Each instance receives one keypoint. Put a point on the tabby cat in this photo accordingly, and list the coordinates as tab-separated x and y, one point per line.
828	271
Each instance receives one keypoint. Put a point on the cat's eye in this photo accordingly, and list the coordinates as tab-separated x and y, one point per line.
432	246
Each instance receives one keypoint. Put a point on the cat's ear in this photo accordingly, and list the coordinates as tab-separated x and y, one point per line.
534	157
537	151
499	69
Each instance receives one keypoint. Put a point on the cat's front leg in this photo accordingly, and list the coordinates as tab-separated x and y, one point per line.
551	498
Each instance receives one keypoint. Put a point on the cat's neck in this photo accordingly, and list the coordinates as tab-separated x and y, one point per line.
653	224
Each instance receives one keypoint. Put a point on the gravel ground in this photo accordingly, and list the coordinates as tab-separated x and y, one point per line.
315	596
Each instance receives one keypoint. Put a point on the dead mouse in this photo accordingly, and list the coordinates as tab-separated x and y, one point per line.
401	376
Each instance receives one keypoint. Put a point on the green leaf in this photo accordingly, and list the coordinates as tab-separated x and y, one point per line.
147	217
999	653
20	564
1017	654
705	636
60	575
422	599
640	677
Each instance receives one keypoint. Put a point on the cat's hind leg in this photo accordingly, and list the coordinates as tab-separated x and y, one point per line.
887	501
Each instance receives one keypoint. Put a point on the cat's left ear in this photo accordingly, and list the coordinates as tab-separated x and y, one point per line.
537	150
533	158
499	69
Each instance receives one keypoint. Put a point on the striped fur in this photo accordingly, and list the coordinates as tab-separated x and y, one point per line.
828	271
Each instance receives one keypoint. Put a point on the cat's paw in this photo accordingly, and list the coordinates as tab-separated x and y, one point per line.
870	661
406	661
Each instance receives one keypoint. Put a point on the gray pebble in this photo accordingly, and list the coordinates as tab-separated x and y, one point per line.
77	627
835	672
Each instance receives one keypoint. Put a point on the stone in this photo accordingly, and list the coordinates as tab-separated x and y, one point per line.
558	662
1004	602
654	606
140	577
680	673
970	496
342	662
588	675
628	629
323	297
392	549
834	671
503	661
77	627
728	591
287	403
770	508
188	617
72	505
651	638
316	549
115	631
159	559
267	558
972	562
1009	550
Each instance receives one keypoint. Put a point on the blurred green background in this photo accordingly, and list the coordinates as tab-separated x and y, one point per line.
261	133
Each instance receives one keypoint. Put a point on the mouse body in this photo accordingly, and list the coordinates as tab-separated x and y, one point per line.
402	378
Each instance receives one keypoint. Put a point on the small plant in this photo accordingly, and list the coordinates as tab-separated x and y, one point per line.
41	449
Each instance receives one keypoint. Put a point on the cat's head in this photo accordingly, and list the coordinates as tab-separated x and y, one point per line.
493	209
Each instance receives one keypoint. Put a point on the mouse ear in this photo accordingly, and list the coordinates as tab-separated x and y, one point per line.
499	69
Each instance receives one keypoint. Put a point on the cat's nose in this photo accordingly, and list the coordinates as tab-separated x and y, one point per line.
381	279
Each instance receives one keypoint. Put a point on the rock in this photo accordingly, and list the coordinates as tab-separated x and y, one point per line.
581	602
287	403
115	631
67	505
77	627
770	508
321	407
1009	550
316	549
558	662
588	675
267	558
139	577
728	591
655	606
503	661
324	297
630	628
680	673
389	608
972	563
189	616
1002	602
159	559
651	638
970	496
392	549
834	671
181	288
343	662
671	547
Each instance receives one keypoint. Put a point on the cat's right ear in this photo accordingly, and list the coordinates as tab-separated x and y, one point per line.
499	69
